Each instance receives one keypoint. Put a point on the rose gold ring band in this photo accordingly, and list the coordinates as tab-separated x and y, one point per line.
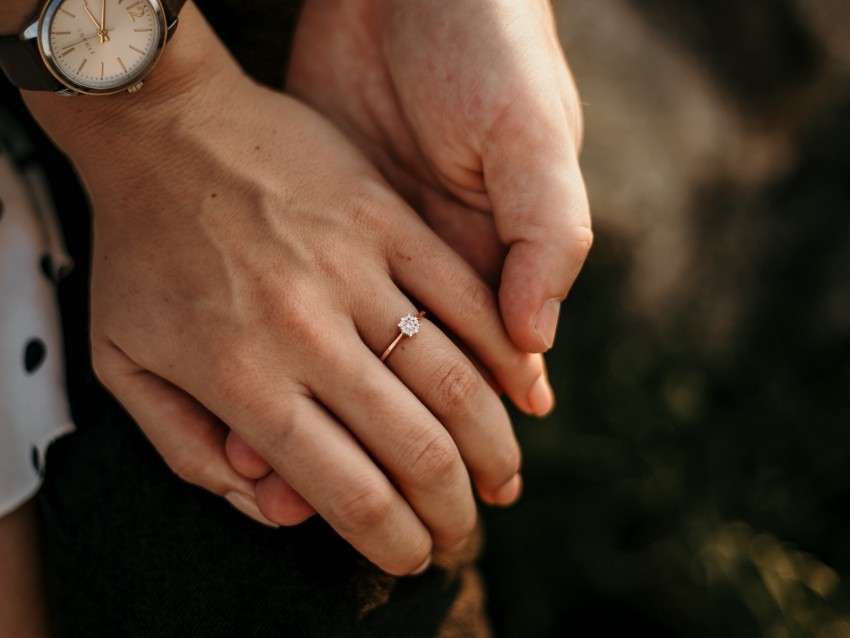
408	326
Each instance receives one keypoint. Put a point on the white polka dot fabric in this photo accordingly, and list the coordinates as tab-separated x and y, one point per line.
33	402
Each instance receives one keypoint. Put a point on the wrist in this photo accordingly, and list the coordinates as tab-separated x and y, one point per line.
193	76
14	15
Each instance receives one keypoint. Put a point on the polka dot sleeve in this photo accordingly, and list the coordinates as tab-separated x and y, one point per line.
33	402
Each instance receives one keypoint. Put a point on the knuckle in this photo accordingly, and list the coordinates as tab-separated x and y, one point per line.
292	306
480	301
432	459
582	237
457	386
364	507
368	207
573	234
575	116
482	297
232	375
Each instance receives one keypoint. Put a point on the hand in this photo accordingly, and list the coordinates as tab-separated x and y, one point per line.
248	265
91	17
470	111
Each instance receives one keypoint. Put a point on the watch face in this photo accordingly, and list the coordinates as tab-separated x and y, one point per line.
101	46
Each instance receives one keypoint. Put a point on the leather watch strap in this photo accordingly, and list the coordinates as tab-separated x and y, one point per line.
172	9
22	63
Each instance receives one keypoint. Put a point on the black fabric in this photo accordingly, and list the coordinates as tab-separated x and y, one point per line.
257	32
133	551
130	549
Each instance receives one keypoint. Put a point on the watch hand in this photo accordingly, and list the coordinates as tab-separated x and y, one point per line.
73	44
89	13
104	34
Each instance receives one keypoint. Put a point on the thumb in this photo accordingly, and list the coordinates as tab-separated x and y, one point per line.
189	438
277	500
542	214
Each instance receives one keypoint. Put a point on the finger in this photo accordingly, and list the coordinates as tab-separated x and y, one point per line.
280	503
541	212
402	435
449	385
244	459
275	497
469	232
431	272
189	438
320	459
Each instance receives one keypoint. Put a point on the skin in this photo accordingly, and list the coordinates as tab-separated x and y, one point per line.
21	598
295	259
481	139
14	14
22	611
451	135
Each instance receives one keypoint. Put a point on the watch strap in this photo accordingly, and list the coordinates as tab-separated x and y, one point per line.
21	60
172	9
22	64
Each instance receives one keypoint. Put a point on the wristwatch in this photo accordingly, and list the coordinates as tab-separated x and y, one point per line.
90	47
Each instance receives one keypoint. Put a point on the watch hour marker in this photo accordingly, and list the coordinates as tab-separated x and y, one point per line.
138	30
61	33
64	53
65	11
137	50
101	70
82	64
122	65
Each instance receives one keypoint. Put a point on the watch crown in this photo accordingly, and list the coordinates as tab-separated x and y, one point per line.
135	87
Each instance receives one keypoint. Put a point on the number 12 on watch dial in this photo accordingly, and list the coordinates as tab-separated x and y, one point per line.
101	46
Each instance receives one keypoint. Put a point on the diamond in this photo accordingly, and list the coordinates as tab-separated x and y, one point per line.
409	325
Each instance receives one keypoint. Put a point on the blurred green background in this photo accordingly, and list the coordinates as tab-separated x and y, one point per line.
694	479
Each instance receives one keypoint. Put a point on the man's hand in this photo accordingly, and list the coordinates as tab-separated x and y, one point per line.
470	111
249	265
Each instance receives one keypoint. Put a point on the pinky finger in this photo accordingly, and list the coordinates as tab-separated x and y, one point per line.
188	436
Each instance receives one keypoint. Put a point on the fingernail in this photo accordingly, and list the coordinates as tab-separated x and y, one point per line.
422	567
510	492
540	397
248	507
546	322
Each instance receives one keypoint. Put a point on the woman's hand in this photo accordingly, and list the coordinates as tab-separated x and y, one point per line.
249	265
